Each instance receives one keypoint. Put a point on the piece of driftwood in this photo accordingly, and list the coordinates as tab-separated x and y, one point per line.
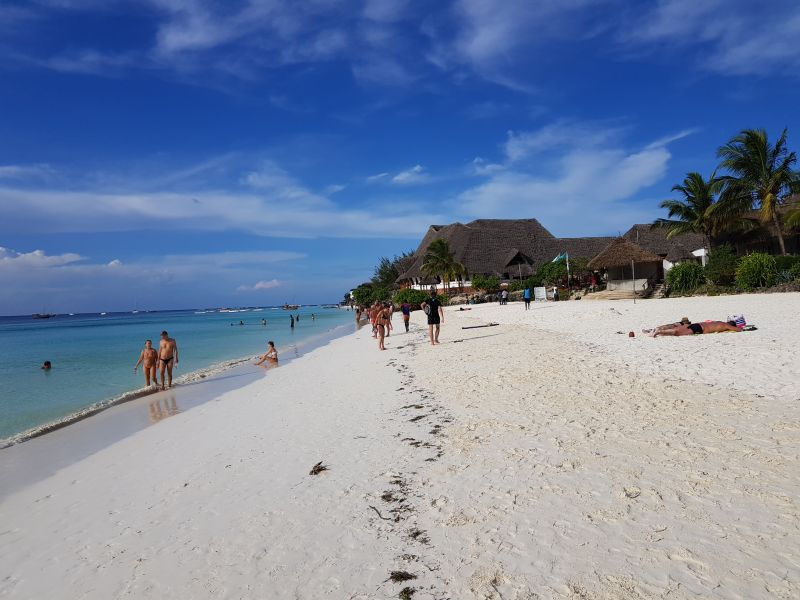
480	326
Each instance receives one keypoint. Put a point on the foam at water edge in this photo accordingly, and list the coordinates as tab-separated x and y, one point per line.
191	377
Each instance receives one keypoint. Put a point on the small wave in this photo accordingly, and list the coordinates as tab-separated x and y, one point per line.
93	409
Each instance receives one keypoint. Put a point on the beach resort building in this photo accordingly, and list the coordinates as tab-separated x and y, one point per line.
515	248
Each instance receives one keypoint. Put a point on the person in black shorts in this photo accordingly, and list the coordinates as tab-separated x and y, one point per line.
433	308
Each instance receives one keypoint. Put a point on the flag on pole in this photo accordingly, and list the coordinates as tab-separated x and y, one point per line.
561	256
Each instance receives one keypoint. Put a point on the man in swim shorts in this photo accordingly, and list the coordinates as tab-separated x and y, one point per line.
149	357
167	357
700	328
433	308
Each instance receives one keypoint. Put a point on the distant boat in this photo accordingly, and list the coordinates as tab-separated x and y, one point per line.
42	315
135	312
101	314
291	306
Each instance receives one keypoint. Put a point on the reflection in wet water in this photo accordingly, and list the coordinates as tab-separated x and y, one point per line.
163	408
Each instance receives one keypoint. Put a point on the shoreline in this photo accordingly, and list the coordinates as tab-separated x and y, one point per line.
197	376
60	444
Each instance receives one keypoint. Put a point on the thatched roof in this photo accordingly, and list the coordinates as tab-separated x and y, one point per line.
490	246
656	241
621	253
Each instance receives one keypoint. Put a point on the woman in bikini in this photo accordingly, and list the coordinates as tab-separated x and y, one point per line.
382	322
271	355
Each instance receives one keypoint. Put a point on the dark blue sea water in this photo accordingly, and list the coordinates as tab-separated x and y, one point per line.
93	355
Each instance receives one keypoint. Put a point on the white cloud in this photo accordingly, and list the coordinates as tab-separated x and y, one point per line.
414	175
577	177
377	177
115	263
260	285
272	203
733	38
37	259
37	171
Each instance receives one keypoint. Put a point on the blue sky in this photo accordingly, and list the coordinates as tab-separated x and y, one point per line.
186	153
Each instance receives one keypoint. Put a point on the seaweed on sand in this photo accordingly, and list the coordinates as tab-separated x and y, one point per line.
318	468
401	576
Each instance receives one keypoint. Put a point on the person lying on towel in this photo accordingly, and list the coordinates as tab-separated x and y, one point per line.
699	328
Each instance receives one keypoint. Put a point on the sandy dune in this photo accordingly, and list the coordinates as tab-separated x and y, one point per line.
548	457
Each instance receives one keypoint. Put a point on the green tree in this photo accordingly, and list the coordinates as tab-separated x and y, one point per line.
487	284
694	212
552	273
438	261
761	177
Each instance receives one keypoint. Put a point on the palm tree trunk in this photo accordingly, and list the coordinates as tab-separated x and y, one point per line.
777	224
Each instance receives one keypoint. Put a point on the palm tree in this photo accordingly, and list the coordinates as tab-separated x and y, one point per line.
438	261
695	212
761	177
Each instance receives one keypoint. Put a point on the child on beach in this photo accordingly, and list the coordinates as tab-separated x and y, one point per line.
149	357
405	308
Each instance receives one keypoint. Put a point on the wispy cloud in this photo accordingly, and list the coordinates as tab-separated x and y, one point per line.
37	259
729	37
267	201
581	176
412	176
260	285
25	172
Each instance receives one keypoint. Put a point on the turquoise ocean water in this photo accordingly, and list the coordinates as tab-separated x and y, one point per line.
93	355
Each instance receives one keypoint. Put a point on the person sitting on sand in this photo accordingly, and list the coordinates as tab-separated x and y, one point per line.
271	355
651	332
149	357
700	328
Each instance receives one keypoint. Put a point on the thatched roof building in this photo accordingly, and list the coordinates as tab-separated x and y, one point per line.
502	247
621	253
656	241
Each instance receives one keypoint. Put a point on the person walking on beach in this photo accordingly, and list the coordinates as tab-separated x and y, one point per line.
433	308
526	296
382	324
405	308
271	355
167	353
149	357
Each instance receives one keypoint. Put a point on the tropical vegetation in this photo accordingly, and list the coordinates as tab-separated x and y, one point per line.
755	271
438	261
756	181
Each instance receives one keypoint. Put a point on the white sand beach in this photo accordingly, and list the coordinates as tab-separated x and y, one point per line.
547	457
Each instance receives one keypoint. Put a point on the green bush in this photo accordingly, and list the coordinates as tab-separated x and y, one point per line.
756	271
487	284
552	273
786	263
412	296
685	278
721	267
795	271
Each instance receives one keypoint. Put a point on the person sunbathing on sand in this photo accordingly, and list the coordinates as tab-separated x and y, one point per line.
651	332
699	328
